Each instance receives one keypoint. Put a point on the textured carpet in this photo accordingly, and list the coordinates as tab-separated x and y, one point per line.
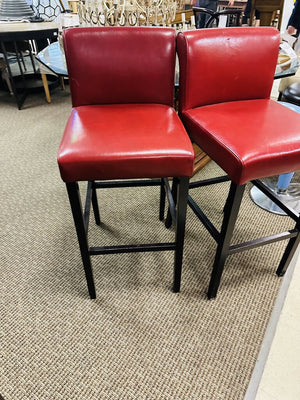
137	340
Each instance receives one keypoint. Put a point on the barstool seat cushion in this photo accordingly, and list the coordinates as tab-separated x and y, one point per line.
292	93
121	141
248	139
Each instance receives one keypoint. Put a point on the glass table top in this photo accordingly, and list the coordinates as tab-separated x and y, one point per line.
53	57
283	73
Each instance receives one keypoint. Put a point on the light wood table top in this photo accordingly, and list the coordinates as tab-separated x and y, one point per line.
25	28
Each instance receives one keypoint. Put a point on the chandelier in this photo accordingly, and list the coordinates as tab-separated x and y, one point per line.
128	12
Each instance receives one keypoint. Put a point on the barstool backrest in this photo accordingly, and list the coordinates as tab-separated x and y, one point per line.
226	64
118	65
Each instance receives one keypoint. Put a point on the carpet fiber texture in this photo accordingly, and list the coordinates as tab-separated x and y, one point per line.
137	340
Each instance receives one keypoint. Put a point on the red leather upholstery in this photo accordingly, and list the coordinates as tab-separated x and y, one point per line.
226	76
124	141
249	139
229	64
122	124
120	65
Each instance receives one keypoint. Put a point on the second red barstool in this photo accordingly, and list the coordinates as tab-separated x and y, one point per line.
226	77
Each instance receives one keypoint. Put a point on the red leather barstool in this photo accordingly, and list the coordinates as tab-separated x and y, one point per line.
226	76
123	127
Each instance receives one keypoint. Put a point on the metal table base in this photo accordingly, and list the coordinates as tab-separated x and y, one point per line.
289	196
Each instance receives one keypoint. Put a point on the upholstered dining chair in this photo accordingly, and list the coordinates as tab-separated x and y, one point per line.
123	129
226	76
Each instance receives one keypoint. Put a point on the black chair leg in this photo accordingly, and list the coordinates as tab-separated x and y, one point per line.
162	200
182	195
76	206
168	221
95	204
230	216
289	252
227	204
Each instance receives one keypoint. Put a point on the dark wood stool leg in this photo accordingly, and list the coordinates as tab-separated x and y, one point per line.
230	216
182	196
289	252
168	221
162	200
75	202
227	204
95	204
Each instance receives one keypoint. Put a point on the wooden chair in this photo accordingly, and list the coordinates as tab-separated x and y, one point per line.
206	18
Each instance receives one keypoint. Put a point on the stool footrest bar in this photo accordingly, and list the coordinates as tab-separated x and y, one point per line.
204	219
211	181
132	248
237	248
128	183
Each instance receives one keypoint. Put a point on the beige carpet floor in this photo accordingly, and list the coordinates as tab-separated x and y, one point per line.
137	340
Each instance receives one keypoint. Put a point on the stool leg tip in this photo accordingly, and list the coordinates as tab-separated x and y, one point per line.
211	295
176	289
280	273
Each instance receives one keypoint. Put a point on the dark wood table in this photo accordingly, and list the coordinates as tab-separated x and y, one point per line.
267	8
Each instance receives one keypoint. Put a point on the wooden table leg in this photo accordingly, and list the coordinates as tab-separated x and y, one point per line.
62	82
46	87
